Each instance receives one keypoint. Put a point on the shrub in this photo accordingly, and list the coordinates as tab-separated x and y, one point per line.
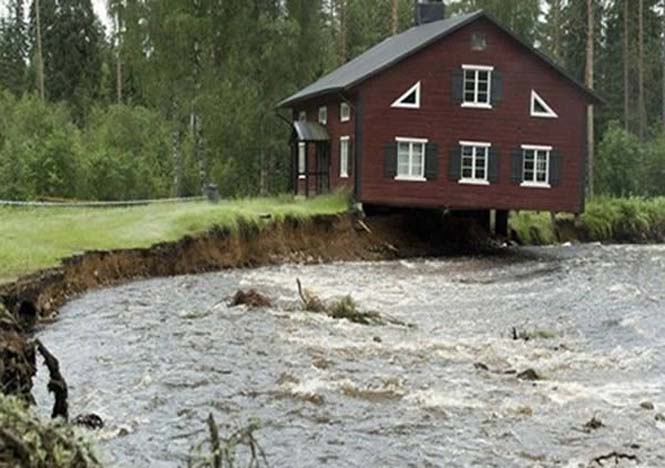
618	163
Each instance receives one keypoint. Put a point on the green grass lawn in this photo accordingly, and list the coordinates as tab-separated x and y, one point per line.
36	238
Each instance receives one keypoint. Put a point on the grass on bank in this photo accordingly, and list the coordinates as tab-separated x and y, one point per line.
36	238
606	219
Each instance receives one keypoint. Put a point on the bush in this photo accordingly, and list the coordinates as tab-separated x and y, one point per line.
40	153
618	166
128	155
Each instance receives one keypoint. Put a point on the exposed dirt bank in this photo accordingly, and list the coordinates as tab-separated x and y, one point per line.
317	239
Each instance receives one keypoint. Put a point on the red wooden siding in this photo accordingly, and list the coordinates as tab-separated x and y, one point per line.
442	121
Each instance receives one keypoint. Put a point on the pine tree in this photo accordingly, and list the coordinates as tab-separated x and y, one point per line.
13	48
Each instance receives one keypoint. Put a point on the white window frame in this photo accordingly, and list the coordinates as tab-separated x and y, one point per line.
549	112
405	105
475	145
302	158
476	69
411	177
534	183
344	142
344	112
323	115
302	116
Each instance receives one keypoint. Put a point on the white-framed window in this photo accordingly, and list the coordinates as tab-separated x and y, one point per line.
302	116
540	108
344	147
536	165
410	99
344	112
475	162
323	115
302	155
410	159
477	86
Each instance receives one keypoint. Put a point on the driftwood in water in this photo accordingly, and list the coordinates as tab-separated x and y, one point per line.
344	308
616	457
56	384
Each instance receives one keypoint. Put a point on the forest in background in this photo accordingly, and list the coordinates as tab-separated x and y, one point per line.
179	93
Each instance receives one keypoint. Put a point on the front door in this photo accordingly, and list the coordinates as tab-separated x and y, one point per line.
322	167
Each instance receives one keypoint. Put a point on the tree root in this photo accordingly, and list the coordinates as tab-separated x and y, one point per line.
57	384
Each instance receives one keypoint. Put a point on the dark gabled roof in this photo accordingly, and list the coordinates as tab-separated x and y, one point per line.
309	131
396	48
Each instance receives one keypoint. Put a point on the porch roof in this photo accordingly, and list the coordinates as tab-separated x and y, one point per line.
309	131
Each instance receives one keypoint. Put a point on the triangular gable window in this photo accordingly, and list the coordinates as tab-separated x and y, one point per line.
410	99
539	108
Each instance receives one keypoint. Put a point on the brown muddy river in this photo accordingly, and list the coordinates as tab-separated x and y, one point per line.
153	358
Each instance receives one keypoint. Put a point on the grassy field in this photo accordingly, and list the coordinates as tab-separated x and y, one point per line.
36	238
605	220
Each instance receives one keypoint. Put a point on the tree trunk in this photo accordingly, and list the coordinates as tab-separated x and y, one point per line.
626	67
663	59
118	63
343	54
395	12
589	79
641	97
40	53
556	16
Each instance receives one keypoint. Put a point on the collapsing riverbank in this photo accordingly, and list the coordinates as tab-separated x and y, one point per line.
317	239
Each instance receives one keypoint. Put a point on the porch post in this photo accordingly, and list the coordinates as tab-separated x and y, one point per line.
307	169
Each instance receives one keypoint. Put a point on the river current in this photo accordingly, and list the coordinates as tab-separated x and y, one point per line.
155	357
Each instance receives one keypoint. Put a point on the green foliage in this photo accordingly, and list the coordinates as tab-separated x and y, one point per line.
533	228
606	219
39	154
521	16
27	441
13	48
625	219
619	163
128	155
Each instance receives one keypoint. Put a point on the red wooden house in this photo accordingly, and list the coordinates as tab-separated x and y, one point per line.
454	113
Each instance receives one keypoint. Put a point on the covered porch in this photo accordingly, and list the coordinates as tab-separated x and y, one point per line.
310	158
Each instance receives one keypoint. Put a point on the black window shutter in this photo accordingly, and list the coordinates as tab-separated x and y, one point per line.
458	85
493	165
497	88
516	166
555	168
350	158
431	161
390	160
455	163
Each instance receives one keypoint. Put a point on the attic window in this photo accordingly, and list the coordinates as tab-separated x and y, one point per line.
477	86
344	112
539	108
478	42
323	115
302	116
410	99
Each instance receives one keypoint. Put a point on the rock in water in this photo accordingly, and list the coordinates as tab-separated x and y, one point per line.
251	299
529	374
647	405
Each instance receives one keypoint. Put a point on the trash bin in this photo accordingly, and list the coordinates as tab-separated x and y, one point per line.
212	193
